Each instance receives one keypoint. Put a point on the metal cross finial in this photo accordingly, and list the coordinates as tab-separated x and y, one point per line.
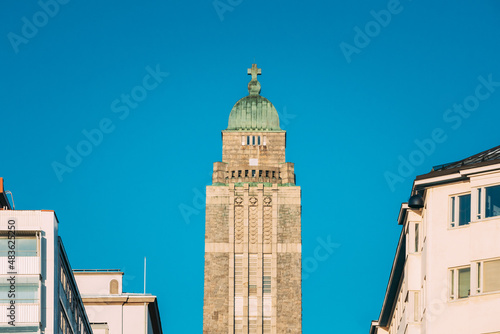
254	71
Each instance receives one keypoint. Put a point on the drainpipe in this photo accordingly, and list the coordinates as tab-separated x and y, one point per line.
125	302
145	318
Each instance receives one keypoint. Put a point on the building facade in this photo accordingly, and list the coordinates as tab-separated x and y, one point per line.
253	226
112	311
445	276
38	293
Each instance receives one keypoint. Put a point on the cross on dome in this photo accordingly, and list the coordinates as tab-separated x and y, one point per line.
254	84
254	71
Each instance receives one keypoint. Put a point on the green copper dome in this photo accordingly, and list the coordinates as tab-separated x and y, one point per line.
254	112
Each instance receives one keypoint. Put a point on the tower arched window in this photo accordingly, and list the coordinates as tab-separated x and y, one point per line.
113	287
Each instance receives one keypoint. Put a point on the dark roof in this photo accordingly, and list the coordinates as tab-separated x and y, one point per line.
484	158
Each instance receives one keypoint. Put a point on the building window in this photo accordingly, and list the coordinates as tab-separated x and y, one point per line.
460	283
266	293
252	293
488	276
488	202
238	293
417	237
460	210
26	290
253	140
22	246
492	201
113	287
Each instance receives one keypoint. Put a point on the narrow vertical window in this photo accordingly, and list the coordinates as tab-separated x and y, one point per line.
460	210
248	140
479	194
463	282
266	294
113	287
415	306
452	284
252	293
253	140
258	140
464	210
416	237
453	211
479	277
492	201
238	293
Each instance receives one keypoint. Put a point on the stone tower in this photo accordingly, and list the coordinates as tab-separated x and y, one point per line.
253	232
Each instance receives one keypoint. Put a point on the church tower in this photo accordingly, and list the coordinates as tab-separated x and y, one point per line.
253	227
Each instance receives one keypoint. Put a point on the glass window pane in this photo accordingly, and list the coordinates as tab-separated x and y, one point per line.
463	210
453	211
479	192
416	238
493	201
452	285
479	276
24	246
491	273
24	293
463	282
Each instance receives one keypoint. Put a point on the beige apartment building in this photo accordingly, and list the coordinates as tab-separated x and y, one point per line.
253	226
40	293
112	311
445	276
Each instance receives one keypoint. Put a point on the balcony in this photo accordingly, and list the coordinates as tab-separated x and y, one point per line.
24	265
25	313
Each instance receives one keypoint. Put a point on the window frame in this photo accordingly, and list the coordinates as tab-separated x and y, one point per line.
481	203
479	275
454	283
454	210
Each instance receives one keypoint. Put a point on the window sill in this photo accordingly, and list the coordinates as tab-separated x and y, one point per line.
458	227
485	219
481	294
458	299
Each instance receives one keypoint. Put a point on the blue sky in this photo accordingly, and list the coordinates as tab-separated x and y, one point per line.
372	93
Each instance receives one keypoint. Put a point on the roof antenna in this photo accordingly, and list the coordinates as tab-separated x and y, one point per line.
144	275
12	198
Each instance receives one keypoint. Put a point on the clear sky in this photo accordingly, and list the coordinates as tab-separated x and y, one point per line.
371	93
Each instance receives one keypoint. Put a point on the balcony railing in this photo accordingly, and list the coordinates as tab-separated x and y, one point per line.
24	265
25	313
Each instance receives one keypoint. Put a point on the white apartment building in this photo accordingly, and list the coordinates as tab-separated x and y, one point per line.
112	311
445	276
38	293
